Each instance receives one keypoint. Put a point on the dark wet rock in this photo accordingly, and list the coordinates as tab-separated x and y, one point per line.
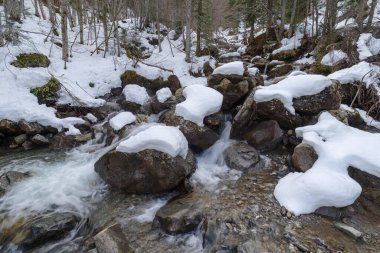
353	232
174	83
265	135
40	140
116	91
244	117
112	240
329	212
241	156
182	214
158	107
33	60
200	138
214	121
28	145
280	70
207	69
145	172
20	139
10	178
304	156
328	99
63	141
9	127
46	229
286	55
275	110
82	138
30	128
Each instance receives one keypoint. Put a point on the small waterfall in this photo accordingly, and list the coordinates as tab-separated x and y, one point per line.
211	166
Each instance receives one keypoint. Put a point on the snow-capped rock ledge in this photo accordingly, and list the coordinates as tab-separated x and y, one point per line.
165	139
232	68
200	102
327	183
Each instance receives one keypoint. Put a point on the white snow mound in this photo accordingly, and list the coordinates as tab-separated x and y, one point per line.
200	102
327	183
232	68
122	119
163	94
136	94
292	87
166	139
367	46
334	57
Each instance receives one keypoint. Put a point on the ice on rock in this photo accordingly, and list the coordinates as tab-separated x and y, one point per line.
162	138
122	119
292	87
334	57
163	94
232	68
200	102
327	183
136	94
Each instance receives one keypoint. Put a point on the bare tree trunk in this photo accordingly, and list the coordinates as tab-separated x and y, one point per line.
292	19
371	14
41	9
1	31
283	18
188	5
80	20
65	39
36	12
158	26
199	28
361	10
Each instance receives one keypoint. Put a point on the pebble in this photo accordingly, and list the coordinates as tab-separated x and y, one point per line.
354	233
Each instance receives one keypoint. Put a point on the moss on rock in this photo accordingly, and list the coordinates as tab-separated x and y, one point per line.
47	94
33	60
131	77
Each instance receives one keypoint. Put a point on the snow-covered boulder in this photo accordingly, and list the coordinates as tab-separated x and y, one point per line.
152	83
135	99
232	68
122	119
153	159
367	46
327	183
302	94
163	100
280	70
199	138
200	102
333	58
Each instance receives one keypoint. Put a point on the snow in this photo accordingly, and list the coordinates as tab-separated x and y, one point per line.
162	138
289	44
292	87
334	57
306	60
122	119
361	72
367	46
350	22
136	94
232	68
200	102
327	183
163	94
363	114
253	71
231	54
91	117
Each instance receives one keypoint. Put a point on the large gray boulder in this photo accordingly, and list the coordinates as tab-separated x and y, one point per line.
145	172
241	156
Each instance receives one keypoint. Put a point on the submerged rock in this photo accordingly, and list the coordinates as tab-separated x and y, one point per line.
145	172
182	214
10	178
112	240
241	156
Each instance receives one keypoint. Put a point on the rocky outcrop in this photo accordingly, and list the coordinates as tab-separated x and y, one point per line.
9	127
241	156
199	138
265	136
145	172
304	156
182	214
233	87
111	240
280	70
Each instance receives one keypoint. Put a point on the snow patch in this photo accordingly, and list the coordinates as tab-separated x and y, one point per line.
136	94
91	117
289	44
162	138
163	94
253	71
334	57
327	183
122	119
232	68
200	102
367	46
292	87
